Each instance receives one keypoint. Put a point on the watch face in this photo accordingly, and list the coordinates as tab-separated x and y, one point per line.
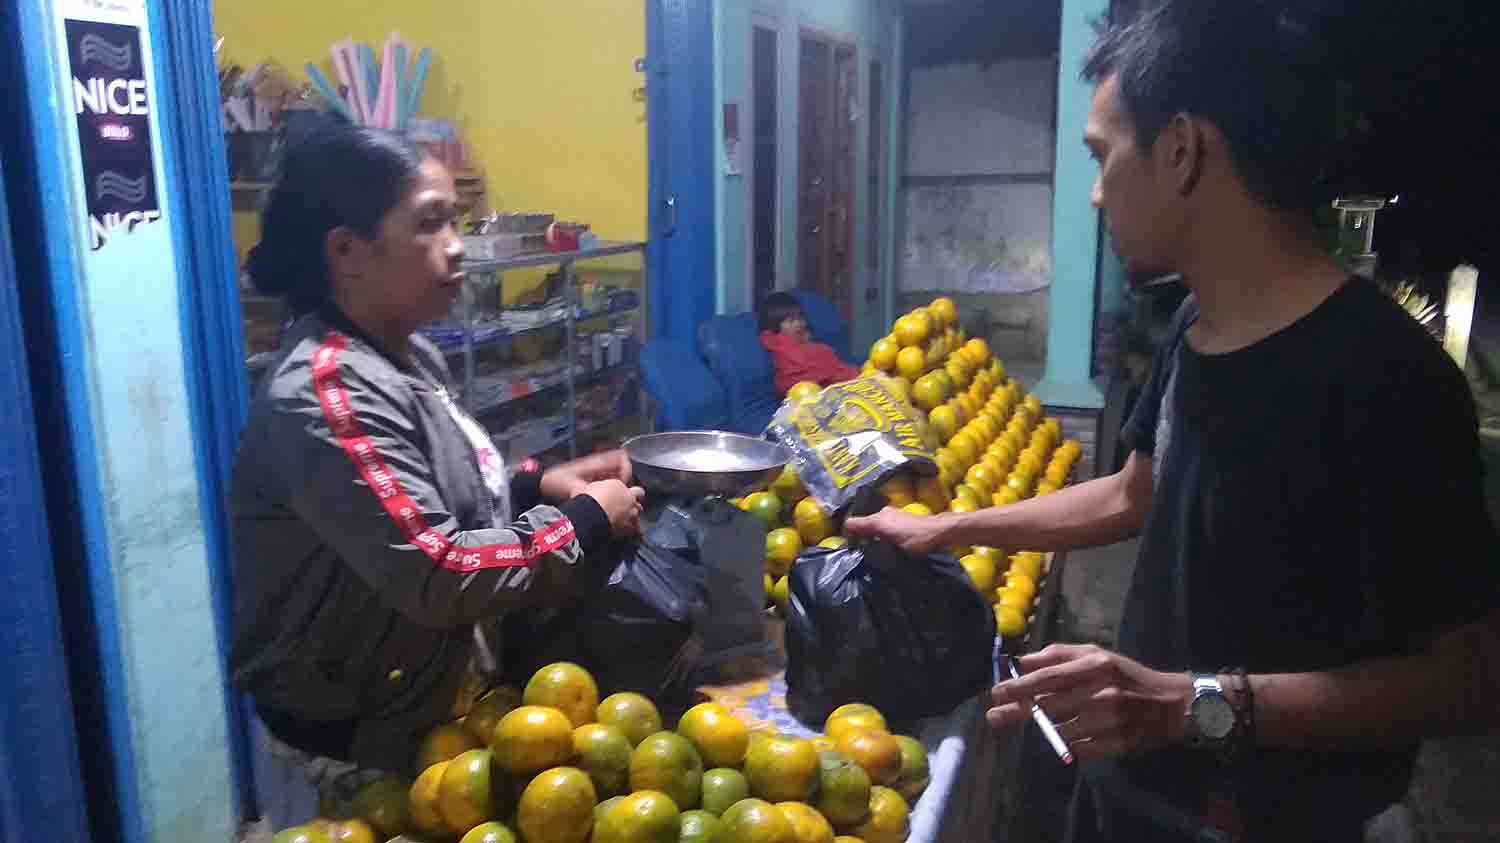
1214	717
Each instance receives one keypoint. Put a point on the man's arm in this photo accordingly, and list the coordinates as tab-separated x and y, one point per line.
1101	511
1108	705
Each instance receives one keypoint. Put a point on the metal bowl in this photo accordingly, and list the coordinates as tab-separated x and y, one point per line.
701	463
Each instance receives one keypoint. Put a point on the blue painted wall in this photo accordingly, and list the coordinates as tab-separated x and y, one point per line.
1075	224
134	566
874	27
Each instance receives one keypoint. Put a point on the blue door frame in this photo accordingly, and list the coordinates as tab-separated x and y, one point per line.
41	789
680	124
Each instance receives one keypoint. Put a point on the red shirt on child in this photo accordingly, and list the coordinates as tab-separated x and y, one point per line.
798	361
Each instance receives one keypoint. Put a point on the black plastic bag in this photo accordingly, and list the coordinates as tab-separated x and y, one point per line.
874	624
632	629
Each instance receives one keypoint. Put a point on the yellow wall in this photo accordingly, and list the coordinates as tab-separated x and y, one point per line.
542	91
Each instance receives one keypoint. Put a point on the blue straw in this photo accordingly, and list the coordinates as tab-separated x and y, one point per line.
419	79
327	90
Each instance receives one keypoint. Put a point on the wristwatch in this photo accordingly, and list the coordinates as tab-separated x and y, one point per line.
1211	718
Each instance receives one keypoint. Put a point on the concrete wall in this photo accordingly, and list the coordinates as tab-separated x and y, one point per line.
873	26
978	196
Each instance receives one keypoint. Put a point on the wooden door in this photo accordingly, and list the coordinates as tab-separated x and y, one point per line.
826	141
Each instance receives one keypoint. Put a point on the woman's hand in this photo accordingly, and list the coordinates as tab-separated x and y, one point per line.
570	479
621	504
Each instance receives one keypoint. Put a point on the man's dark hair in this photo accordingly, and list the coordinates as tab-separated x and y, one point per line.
775	308
1249	67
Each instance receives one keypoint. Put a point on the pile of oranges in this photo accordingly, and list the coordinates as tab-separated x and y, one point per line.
555	764
993	444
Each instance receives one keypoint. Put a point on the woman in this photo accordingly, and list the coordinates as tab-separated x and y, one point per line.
375	524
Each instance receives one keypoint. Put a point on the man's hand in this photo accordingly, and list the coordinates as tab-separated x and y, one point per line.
917	534
562	483
1104	704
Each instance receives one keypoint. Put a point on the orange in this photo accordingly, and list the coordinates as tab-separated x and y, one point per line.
667	762
912	330
464	794
557	807
604	753
982	478
766	507
813	524
943	311
843	789
964	448
845	838
883	353
647	816
847	718
899	491
488	709
782	769
928	392
945	382
981	572
1033	405
755	821
770	586
489	833
874	750
719	736
970	407
635	716
311	833
917	509
781	595
423	801
944	421
978	350
963	506
911	363
444	743
1009	622
969	495
783	545
1019	482
915	774
566	687
808	826
788	486
1006	497
930	492
995	463
1028	562
991	553
1014	599
803	391
723	787
1045	488
834	542
959	373
698	827
1057	474
850	709
997	369
1018	581
351	831
962	413
383	804
889	820
531	739
1030	460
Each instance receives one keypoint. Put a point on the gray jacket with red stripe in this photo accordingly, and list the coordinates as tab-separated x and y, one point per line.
367	547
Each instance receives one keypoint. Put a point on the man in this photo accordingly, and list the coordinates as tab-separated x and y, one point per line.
1318	582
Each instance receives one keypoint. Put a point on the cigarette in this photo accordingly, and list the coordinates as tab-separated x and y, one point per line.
1043	722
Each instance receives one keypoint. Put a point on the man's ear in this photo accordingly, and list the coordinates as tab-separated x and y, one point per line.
1180	150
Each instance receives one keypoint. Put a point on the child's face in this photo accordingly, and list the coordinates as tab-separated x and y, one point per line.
795	326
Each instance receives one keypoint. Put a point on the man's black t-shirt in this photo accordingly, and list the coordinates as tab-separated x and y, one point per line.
1317	502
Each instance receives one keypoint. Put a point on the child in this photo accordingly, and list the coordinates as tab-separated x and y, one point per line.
784	333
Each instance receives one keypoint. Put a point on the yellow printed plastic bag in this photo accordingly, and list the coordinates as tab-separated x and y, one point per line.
852	437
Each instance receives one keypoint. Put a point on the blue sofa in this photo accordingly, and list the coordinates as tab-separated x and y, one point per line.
729	381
